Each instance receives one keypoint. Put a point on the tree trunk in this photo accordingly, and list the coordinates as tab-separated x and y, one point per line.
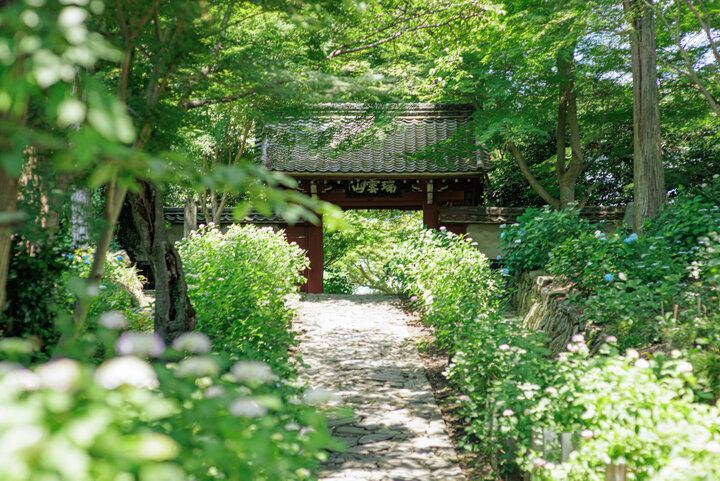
190	217
174	313
80	208
567	172
8	204
648	173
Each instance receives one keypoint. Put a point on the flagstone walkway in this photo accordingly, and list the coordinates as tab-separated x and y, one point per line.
358	347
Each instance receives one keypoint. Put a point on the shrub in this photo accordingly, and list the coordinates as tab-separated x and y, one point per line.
499	367
692	214
643	289
33	291
42	286
336	281
632	409
121	288
446	279
526	245
198	417
238	282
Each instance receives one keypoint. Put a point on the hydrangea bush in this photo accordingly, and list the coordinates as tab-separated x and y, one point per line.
526	244
238	282
121	288
656	412
152	413
445	277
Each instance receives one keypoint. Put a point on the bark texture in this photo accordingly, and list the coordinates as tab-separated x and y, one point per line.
8	204
174	313
190	217
80	208
648	173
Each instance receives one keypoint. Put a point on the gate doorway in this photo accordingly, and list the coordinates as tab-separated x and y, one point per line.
424	159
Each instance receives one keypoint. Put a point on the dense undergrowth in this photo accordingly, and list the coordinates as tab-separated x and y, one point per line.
648	398
219	406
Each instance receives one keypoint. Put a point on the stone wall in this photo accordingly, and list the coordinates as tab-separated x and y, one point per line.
540	304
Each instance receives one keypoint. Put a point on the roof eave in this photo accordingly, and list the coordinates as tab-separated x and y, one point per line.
382	175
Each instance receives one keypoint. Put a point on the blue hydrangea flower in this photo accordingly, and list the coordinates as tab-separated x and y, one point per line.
87	261
70	256
631	238
119	258
505	271
609	277
498	257
502	234
85	256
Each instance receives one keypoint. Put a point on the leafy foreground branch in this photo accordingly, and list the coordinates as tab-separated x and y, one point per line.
645	411
146	411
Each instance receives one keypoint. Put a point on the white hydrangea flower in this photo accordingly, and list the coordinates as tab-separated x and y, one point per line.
20	380
642	363
587	433
712	447
508	412
214	391
504	347
128	370
684	366
197	367
62	375
253	372
113	320
195	342
632	354
247	408
20	438
680	464
140	344
578	338
611	339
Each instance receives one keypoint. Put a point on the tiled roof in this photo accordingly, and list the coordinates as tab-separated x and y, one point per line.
345	139
176	215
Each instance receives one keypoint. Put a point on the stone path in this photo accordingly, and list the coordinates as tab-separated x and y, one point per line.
357	347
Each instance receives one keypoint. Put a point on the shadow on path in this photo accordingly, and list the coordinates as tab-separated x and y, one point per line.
357	347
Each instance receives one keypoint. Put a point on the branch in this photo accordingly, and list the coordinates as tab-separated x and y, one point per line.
690	73
192	104
399	21
532	180
597	184
403	31
706	28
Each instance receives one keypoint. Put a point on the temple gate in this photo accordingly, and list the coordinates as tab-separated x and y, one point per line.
424	158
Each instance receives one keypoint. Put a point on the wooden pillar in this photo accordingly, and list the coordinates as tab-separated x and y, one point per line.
430	207
315	253
430	215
